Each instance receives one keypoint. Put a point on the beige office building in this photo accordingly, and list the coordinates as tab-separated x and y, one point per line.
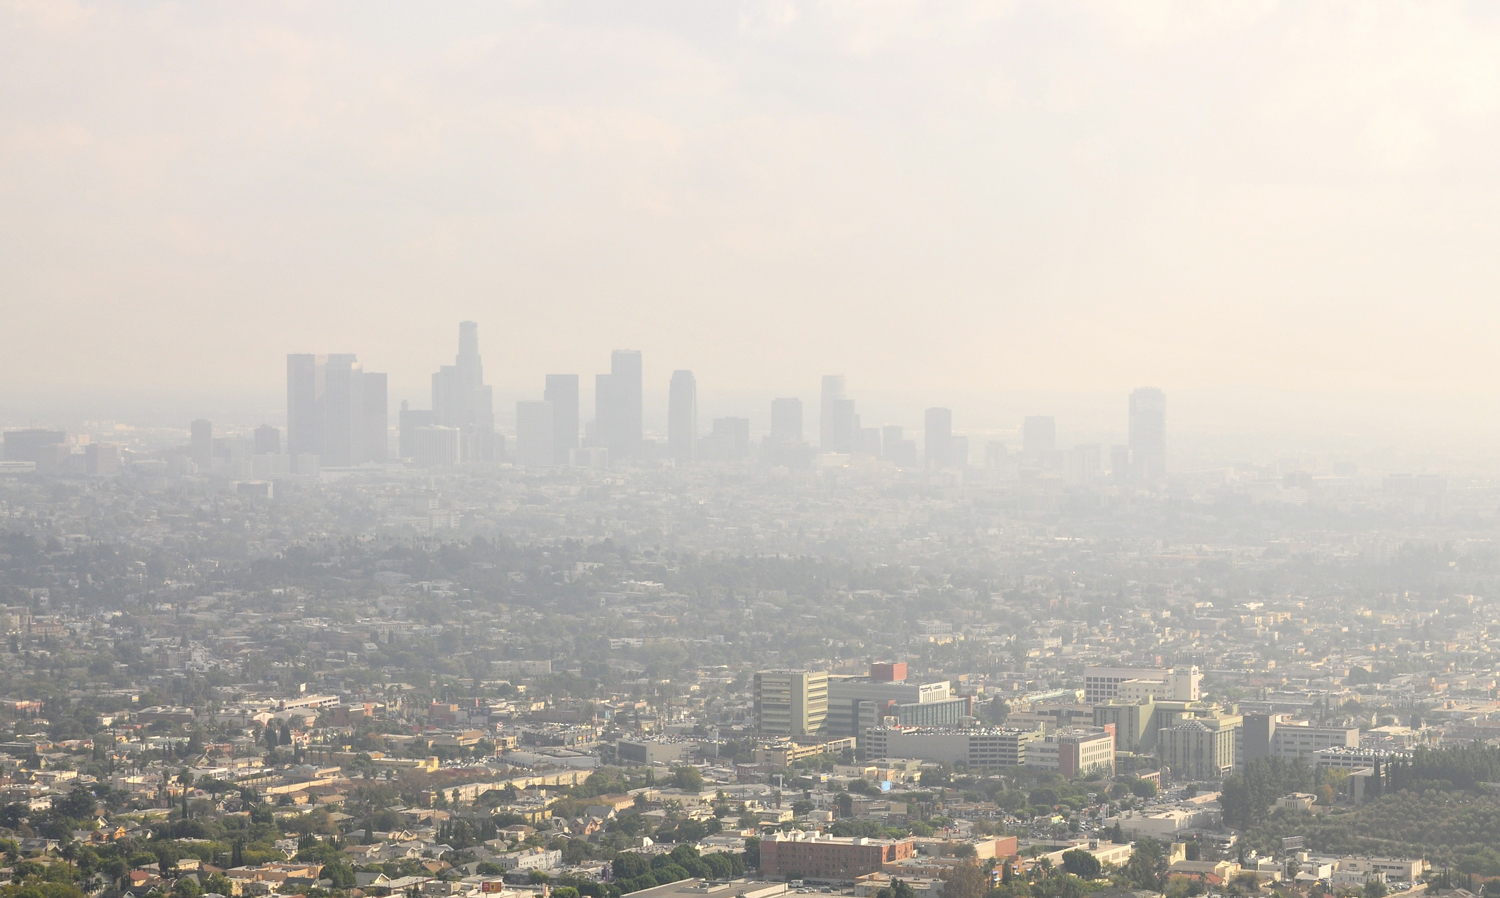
791	702
1200	748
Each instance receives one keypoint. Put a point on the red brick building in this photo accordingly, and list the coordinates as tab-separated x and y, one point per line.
814	856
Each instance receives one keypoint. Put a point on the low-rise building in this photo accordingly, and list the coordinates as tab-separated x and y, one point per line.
799	855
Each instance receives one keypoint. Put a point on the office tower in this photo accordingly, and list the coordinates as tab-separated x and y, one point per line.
375	438
791	702
304	412
937	438
562	392
858	703
461	399
682	417
1148	434
343	411
995	454
35	445
1200	748
534	432
617	405
335	410
202	450
101	460
837	425
1039	436
786	420
267	440
866	440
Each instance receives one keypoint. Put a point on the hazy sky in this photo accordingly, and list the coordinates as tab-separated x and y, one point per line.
1015	196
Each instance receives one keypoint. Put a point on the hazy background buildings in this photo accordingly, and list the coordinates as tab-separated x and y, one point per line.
1279	215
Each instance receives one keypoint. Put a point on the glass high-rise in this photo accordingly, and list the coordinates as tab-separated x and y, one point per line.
837	424
461	399
1148	434
682	417
562	392
335	410
617	405
937	438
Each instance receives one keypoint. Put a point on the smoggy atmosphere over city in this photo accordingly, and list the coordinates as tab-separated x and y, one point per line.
984	449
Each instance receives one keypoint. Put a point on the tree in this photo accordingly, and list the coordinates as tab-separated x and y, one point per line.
186	887
77	804
1081	864
966	881
166	858
629	865
688	779
898	888
1247	798
1147	866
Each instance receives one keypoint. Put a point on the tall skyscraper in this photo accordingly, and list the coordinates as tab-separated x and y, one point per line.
937	438
203	445
304	406
562	392
461	399
1148	434
335	410
534	432
786	420
682	416
375	437
837	425
343	411
617	405
1039	436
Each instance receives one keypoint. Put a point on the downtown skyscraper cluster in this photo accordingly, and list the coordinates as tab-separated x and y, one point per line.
336	410
337	413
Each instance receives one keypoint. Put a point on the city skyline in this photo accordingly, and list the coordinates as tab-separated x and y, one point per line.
996	449
461	425
1031	241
